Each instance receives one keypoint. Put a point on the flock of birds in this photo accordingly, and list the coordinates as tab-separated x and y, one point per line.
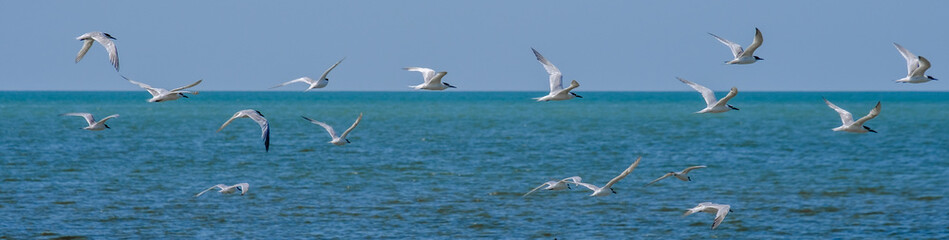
432	80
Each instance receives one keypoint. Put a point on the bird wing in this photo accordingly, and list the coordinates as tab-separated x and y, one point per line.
660	178
736	49
328	128
264	127
686	170
221	186
153	91
912	62
698	208
244	187
236	115
845	117
107	118
729	96
427	73
88	116
86	44
350	129
327	72
873	113
573	84
623	175
720	215
306	80
574	179
110	47
923	66
707	94
556	78
536	188
590	186
187	86
754	44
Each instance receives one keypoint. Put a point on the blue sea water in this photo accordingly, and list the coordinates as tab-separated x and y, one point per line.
454	165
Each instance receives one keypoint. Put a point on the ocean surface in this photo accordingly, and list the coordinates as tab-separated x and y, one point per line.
453	165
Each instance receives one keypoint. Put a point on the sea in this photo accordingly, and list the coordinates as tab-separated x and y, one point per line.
454	165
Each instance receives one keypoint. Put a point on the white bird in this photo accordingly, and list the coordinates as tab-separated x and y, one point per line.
105	40
720	210
915	67
337	140
161	95
433	80
557	92
93	124
743	56
225	189
556	185
681	175
713	106
602	191
313	84
847	119
257	117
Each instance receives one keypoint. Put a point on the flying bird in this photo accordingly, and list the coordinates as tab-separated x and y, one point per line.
339	140
720	210
556	185
849	125
225	189
257	117
93	124
433	80
602	191
103	39
161	95
557	92
915	67
313	83
743	56
713	105
681	175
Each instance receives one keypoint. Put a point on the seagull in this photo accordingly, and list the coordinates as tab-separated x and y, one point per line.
601	191
720	210
557	92
681	175
313	84
105	40
915	66
257	117
847	119
161	95
93	125
337	140
743	56
433	80
714	106
225	189
556	185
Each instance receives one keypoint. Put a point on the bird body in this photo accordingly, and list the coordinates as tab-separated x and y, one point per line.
338	140
713	105
681	175
607	189
743	56
225	189
432	79
322	82
557	91
257	117
916	67
162	95
720	210
93	124
848	124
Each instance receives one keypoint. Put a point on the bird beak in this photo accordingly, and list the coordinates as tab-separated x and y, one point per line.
347	141
575	95
868	129
107	126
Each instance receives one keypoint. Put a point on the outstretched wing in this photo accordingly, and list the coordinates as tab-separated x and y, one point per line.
306	80
221	186
110	47
873	113
707	94
328	128
359	119
660	178
327	72
686	170
845	117
587	185
736	49
535	189
623	174
107	118
556	78
427	73
264	127
153	91
720	215
923	66
244	187
912	62
88	116
187	86
86	44
729	96
754	44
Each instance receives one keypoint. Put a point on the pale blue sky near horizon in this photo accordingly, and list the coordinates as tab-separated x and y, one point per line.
483	45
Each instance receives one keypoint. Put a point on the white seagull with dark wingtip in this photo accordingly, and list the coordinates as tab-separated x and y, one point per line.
743	56
103	39
557	92
161	95
93	124
681	175
433	80
225	189
712	105
608	188
556	185
849	125
720	210
257	117
916	67
313	84
337	140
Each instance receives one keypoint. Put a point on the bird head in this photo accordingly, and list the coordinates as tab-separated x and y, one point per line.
732	107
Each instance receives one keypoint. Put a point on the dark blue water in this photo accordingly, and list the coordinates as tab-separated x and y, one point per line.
455	164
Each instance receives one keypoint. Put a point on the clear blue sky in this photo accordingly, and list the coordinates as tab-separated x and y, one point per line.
484	45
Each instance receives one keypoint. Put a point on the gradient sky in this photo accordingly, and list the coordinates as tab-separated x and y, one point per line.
483	45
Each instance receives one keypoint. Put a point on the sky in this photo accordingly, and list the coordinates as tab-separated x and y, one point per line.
483	45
